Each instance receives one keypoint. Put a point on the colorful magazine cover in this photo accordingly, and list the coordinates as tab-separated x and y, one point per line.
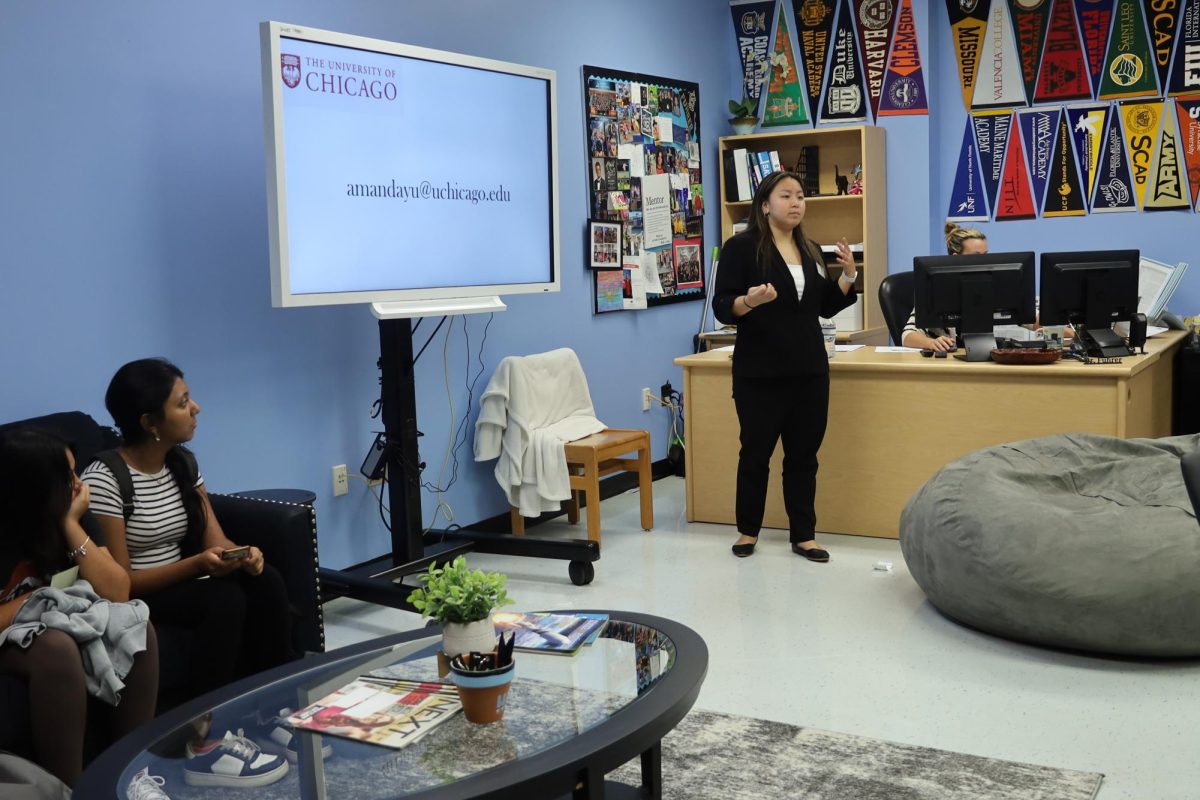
550	633
392	712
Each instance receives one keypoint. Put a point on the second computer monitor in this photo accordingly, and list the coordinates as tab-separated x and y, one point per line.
973	294
1091	290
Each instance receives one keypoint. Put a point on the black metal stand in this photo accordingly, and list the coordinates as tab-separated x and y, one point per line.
380	580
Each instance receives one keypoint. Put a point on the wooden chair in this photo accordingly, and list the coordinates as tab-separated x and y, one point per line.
591	458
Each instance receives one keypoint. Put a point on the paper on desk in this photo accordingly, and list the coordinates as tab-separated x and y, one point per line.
890	349
847	348
728	347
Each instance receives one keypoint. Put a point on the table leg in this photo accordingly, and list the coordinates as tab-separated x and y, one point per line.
590	786
652	771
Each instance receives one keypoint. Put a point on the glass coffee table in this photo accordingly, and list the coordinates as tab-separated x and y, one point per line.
568	722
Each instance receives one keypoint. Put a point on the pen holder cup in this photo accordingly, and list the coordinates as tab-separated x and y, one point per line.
483	694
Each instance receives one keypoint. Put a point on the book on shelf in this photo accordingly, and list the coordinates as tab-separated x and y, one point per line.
393	712
742	174
550	633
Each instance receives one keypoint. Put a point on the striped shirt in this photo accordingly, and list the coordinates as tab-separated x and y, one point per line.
158	523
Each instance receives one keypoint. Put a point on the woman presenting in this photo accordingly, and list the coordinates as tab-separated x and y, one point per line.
772	285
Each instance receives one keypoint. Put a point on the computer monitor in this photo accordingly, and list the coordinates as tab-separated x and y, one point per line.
1091	290
974	294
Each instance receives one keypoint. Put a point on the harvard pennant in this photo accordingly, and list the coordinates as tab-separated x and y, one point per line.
876	24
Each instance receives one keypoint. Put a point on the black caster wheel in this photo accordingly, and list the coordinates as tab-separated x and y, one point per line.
581	572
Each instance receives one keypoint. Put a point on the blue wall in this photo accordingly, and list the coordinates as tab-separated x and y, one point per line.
133	223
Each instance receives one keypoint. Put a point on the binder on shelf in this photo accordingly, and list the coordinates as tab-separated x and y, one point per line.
775	163
764	165
742	173
731	185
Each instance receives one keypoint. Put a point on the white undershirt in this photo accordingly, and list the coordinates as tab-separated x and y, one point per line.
797	271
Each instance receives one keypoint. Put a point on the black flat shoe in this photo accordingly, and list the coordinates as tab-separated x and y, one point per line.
812	553
743	550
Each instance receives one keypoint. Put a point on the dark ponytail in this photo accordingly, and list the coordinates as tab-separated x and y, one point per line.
35	494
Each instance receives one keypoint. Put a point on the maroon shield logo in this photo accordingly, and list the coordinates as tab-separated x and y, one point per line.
289	68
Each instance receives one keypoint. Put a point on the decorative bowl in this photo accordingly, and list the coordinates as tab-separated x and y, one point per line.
1025	355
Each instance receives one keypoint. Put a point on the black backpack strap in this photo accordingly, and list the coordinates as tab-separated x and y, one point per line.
120	470
193	469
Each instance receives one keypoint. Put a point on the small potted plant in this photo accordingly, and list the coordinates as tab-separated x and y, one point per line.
462	600
745	115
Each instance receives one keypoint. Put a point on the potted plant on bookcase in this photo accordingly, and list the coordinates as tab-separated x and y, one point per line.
462	600
745	115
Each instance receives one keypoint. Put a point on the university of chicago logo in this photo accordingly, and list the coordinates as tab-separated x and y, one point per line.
289	68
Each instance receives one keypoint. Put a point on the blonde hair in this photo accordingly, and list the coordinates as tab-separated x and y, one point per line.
957	236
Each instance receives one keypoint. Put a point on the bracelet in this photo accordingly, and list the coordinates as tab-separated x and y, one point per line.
746	303
849	278
79	551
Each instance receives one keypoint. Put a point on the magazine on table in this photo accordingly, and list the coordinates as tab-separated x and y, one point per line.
393	712
550	633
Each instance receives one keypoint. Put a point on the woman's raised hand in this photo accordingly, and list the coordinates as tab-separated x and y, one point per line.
757	295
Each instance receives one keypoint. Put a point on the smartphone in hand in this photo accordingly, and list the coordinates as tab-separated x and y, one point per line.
234	553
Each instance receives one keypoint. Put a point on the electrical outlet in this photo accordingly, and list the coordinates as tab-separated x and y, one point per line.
647	399
341	484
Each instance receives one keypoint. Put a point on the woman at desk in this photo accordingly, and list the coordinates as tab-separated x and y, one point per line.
772	284
960	241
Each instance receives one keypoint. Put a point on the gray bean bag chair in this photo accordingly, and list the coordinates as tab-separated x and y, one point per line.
1076	541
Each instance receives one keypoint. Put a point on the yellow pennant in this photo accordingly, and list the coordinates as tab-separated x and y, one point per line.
1141	121
1167	188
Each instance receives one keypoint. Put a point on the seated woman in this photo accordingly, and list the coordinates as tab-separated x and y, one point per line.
41	502
960	241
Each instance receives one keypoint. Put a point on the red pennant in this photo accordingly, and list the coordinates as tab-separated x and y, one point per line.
1064	73
1016	198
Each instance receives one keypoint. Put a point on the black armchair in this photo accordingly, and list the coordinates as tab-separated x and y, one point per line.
896	301
286	533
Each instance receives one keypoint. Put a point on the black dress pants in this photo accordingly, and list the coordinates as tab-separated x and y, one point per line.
793	410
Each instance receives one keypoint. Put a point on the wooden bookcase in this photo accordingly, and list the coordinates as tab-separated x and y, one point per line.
829	216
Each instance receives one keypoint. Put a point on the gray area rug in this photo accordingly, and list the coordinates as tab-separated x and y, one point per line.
712	755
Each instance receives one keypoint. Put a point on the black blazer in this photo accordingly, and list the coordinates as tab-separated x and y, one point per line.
782	337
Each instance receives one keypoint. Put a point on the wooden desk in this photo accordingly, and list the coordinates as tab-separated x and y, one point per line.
897	418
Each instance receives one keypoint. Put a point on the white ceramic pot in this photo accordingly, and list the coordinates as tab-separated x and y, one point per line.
469	637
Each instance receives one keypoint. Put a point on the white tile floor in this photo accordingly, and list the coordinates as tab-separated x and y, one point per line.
844	647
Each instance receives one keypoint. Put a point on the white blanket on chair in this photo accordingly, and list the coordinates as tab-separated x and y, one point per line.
531	407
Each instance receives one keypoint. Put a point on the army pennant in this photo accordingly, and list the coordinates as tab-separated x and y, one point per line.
1163	19
1128	65
968	22
785	100
1095	18
752	27
967	203
1087	124
1141	122
1187	110
1063	75
814	26
999	85
1037	134
1064	195
876	24
1167	189
1016	199
1029	21
904	85
1114	187
991	140
845	96
1185	67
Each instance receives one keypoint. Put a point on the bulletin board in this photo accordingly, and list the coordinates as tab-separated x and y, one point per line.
644	171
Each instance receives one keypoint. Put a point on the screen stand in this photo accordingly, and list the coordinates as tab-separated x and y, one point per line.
976	326
978	346
414	549
1102	342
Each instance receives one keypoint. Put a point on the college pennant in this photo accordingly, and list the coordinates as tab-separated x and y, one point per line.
967	203
991	140
904	85
1087	124
876	24
1114	187
1187	110
1128	65
845	97
1016	199
1037	134
1095	17
814	25
1064	195
999	83
785	100
1029	21
968	22
1185	67
1063	75
1167	189
1162	17
1141	121
752	28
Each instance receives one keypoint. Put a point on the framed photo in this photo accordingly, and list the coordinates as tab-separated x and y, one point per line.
689	265
604	244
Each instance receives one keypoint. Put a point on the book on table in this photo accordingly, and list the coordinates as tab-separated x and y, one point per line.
550	633
393	712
